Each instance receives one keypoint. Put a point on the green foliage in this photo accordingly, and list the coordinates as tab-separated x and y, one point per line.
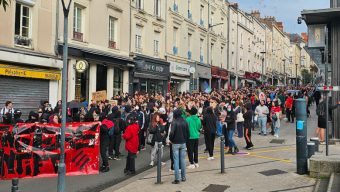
5	3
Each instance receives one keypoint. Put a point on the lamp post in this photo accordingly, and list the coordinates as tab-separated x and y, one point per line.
284	71
296	75
262	79
61	166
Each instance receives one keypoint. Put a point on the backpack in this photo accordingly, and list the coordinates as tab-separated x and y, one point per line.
320	110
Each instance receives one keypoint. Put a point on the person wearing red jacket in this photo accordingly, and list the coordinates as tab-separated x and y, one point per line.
131	136
289	107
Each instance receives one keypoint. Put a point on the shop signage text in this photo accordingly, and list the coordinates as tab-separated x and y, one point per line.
153	68
28	73
179	68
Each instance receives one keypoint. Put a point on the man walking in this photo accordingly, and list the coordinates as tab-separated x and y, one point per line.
194	124
262	111
179	135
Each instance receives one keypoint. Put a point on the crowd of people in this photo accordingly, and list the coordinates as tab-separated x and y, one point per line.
177	121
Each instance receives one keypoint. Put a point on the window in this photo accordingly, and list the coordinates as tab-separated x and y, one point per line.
202	15
156	44
189	10
222	49
138	39
117	81
201	49
212	19
22	25
77	23
175	6
175	48
212	53
112	32
158	8
189	46
140	4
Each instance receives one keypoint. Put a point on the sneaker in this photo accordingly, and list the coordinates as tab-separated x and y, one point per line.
277	136
175	182
171	170
163	163
116	158
105	169
183	179
143	148
192	166
322	143
250	148
210	158
196	165
152	163
110	157
264	134
260	133
205	150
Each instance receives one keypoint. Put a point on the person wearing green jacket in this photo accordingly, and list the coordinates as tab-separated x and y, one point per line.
195	125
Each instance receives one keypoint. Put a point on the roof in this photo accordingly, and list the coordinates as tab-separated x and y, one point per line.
320	16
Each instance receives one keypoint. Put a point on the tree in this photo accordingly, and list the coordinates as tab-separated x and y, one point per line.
5	3
307	77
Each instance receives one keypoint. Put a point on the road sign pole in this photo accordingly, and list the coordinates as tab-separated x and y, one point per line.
301	136
326	84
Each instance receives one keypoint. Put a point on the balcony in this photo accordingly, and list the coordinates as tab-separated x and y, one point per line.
78	36
112	44
189	55
23	41
175	50
175	7
201	58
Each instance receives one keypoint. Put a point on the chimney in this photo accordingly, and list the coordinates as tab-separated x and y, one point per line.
279	25
304	37
235	5
256	14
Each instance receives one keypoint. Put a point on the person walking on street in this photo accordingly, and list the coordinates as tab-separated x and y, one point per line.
131	137
179	136
210	127
248	117
230	119
194	124
158	132
262	111
104	143
276	115
289	108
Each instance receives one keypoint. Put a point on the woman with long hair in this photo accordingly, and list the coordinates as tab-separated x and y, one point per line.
158	131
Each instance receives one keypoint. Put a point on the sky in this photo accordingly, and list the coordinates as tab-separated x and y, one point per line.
286	11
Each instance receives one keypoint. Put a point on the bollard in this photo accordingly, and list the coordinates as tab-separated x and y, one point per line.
310	149
15	185
316	140
159	163
301	136
222	154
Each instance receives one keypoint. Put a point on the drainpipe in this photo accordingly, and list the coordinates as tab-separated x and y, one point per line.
208	39
228	46
56	30
130	31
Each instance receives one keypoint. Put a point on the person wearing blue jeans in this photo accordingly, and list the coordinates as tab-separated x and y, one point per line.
262	111
179	136
179	160
230	120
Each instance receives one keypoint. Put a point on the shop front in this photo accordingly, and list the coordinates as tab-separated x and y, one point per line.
180	77
27	86
219	78
151	75
90	71
202	76
251	79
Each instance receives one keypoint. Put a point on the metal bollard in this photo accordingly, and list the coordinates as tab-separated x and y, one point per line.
15	185
222	154
310	149
159	163
316	140
301	136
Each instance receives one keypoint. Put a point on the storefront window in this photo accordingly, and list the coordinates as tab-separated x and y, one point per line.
101	78
117	81
143	85
82	82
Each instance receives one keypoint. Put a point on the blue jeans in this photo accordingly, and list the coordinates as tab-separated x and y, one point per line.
263	124
277	131
230	138
179	159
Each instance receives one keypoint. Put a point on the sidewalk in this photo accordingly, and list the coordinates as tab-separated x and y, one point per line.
269	167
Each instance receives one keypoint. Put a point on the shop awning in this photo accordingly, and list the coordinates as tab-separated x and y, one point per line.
320	16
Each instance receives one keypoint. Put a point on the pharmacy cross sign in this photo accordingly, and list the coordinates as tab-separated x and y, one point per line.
328	88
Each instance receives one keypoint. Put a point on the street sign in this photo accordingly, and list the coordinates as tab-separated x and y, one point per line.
329	88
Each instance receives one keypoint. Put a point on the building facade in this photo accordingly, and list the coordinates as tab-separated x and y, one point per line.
30	72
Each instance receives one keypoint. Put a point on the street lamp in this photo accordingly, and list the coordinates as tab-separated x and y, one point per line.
262	79
296	77
61	165
284	71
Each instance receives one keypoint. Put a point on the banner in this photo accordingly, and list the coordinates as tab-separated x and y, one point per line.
31	150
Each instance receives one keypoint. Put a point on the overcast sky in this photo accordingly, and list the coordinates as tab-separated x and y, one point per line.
286	11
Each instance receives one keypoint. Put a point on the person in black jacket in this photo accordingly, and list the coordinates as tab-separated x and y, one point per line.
116	138
158	131
179	135
230	120
209	127
248	116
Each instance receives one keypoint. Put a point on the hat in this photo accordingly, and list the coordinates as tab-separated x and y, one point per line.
162	111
